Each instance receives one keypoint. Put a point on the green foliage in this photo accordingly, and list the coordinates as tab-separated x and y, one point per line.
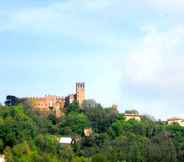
74	123
161	148
1	145
66	153
46	143
73	107
101	119
99	158
15	126
81	159
26	136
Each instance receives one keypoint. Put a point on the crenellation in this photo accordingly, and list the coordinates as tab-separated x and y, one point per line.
56	103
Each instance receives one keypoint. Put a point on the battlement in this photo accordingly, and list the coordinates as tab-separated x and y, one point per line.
46	97
47	102
80	85
80	92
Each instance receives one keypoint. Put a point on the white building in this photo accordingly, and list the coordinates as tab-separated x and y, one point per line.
2	158
176	120
66	140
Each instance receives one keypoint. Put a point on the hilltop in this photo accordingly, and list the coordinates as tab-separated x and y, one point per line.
27	136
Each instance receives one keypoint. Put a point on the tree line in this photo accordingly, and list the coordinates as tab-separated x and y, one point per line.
27	136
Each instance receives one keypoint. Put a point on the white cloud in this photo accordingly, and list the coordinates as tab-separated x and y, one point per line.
155	69
59	16
153	73
81	15
166	6
158	58
79	20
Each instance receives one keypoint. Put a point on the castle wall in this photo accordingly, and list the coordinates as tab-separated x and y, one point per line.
57	104
46	102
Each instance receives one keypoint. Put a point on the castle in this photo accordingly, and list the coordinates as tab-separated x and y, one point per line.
56	103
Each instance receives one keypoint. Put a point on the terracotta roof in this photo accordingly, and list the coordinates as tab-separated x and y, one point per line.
175	118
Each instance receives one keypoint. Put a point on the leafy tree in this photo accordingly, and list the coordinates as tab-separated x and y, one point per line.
81	159
73	107
1	145
89	104
65	153
27	136
47	143
99	158
131	112
161	148
101	119
74	121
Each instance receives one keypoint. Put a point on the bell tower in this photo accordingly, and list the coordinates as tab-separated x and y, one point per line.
80	92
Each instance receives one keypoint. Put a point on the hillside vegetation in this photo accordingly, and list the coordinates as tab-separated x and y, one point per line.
26	136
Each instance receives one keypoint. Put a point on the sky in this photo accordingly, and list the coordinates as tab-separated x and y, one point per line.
128	52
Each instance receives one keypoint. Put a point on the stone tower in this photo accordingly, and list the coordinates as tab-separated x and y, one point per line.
80	92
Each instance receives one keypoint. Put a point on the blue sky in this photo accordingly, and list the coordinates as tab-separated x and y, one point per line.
128	52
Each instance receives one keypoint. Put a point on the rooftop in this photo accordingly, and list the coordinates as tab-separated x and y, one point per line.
175	118
65	140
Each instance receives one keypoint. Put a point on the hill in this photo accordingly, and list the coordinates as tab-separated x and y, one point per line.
26	136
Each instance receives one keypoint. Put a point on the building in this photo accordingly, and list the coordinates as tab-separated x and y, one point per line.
176	120
66	140
70	98
47	102
88	132
56	104
132	115
80	92
69	140
115	108
2	158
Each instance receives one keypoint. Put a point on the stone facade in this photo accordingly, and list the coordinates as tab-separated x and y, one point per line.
57	103
80	92
47	102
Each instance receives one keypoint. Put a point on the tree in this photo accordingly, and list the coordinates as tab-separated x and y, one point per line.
81	159
99	158
28	136
101	119
1	145
12	100
73	107
74	121
16	126
65	153
131	112
89	104
159	147
47	143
